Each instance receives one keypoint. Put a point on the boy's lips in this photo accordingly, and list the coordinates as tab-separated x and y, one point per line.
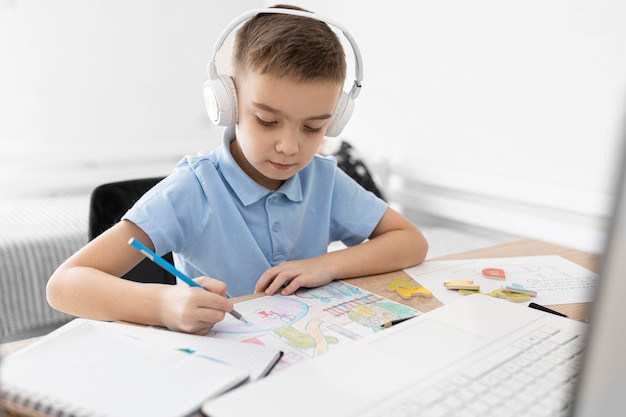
282	167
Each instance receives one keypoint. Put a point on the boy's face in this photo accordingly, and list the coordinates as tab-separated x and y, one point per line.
281	124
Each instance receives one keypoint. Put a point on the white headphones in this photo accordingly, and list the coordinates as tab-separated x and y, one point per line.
220	96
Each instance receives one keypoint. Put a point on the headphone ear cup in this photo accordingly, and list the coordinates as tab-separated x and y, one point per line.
220	99
343	111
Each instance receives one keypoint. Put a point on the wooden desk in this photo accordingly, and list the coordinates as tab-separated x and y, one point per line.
525	247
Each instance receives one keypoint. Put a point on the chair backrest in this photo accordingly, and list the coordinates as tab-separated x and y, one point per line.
352	164
109	202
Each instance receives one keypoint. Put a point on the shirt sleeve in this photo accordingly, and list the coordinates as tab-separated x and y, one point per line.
355	211
166	212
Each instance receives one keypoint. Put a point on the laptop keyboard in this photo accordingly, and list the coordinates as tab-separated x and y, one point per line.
536	375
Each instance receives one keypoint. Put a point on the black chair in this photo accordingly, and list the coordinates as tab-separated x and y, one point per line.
109	202
351	163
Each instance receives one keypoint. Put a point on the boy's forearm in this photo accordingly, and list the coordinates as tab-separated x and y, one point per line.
388	252
88	292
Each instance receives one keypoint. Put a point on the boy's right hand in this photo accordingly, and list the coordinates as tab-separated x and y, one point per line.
192	309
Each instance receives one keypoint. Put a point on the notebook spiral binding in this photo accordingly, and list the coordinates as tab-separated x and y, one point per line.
34	407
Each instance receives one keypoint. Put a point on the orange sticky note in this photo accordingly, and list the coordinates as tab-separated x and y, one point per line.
494	273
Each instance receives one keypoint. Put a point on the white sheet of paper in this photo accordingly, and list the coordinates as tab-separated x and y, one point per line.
557	280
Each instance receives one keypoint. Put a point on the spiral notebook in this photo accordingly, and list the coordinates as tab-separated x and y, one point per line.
88	368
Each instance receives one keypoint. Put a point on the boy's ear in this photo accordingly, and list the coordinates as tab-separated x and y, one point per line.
220	99
343	111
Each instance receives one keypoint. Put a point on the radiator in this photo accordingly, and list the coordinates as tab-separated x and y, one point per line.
36	236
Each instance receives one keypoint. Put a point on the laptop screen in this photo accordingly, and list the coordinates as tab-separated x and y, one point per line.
602	390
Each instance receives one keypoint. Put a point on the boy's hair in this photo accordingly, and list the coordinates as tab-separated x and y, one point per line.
286	45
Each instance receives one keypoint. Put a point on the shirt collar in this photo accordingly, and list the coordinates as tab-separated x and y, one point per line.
246	189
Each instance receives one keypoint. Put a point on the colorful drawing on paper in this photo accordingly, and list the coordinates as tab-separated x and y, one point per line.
312	321
378	313
264	314
327	293
312	337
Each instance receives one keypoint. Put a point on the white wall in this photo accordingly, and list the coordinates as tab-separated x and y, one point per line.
100	90
500	113
503	113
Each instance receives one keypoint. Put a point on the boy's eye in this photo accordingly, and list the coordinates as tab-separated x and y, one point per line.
307	128
264	122
311	129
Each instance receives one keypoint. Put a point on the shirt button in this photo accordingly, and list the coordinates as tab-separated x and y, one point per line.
276	227
271	200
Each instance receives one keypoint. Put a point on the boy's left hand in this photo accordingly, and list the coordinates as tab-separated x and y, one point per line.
293	275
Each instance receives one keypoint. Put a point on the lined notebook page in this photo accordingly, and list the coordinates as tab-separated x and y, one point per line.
87	370
257	360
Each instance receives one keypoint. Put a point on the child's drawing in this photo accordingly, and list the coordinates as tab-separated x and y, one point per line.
264	314
336	291
312	321
376	314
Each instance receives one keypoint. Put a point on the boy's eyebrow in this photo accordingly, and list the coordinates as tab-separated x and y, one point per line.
275	111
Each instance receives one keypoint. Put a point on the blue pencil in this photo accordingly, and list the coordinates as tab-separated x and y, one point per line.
172	270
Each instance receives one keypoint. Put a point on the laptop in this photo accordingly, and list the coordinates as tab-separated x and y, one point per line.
466	359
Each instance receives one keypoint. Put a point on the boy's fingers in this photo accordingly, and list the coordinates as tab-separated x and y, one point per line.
281	281
214	298
264	281
211	284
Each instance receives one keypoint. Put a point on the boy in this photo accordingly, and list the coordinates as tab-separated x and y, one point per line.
256	214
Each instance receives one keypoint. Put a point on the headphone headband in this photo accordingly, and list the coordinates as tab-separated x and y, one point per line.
220	94
358	66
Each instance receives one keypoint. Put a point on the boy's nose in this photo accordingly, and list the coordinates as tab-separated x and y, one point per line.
287	144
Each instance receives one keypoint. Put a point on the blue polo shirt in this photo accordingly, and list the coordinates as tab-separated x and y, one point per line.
218	222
